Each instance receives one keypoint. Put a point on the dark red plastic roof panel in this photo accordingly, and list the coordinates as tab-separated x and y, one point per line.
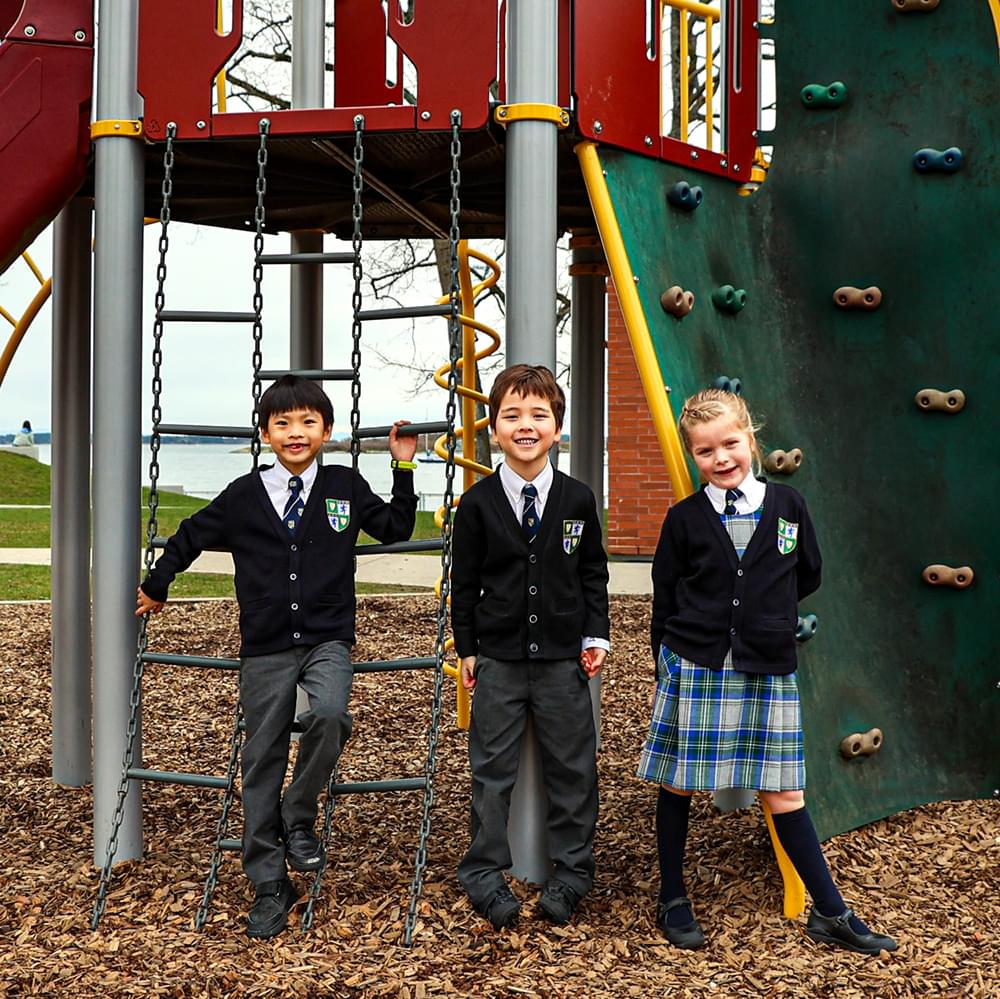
45	96
358	78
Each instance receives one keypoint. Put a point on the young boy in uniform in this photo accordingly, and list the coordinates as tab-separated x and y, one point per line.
291	527
529	607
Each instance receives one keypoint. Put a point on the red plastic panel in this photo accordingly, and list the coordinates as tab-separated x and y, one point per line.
618	86
180	54
360	61
9	9
564	85
314	121
45	95
453	45
55	22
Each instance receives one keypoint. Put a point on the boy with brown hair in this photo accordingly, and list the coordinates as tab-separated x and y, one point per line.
529	605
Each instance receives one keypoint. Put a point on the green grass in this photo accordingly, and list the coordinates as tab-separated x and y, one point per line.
34	582
22	479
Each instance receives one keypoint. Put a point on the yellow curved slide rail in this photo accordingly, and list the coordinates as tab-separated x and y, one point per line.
635	320
27	317
468	365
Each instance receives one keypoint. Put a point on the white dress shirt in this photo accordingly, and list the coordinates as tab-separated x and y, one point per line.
753	495
512	485
275	481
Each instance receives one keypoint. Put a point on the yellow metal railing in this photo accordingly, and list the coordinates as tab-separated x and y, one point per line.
468	365
220	79
27	317
711	16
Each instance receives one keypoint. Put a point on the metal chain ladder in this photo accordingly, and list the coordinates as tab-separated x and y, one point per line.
135	696
454	351
236	737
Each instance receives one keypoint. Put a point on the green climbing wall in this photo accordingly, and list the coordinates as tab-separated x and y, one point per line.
892	488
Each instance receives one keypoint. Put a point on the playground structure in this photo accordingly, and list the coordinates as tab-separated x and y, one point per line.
795	286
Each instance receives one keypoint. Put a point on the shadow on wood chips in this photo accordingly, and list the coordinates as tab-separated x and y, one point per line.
930	876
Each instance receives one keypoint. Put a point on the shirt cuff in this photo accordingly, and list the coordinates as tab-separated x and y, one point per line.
592	643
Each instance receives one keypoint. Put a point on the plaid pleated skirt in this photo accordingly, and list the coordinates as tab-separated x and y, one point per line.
718	729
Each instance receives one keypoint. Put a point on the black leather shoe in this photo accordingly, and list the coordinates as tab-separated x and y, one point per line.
272	901
501	909
558	901
687	937
837	930
303	850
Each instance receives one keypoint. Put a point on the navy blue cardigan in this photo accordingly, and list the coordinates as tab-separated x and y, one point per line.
292	590
515	601
706	600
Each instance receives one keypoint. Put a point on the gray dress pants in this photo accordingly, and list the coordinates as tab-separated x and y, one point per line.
556	693
268	692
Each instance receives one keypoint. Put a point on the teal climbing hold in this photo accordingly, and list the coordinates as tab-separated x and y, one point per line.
728	384
815	95
937	160
806	627
729	299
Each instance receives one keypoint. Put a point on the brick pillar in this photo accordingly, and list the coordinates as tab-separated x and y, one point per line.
638	482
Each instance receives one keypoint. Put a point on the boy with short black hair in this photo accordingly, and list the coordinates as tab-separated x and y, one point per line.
529	607
291	528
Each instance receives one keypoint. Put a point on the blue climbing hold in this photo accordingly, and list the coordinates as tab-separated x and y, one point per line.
728	384
937	160
682	195
806	628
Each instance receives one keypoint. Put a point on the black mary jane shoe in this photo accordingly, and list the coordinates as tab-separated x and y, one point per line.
272	902
838	932
687	937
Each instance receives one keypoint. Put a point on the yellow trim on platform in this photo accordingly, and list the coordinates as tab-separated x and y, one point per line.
507	113
995	11
123	128
635	321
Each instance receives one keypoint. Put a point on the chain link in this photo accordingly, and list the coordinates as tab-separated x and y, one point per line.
135	694
358	184
454	351
258	294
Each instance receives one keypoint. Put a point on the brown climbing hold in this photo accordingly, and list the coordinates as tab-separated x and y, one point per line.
945	575
849	297
945	402
677	301
785	462
861	744
908	6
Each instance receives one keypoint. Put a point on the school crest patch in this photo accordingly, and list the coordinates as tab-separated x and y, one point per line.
572	532
788	536
338	513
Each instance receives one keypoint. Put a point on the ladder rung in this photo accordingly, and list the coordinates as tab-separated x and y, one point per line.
231	844
173	316
375	786
197	430
313	374
390	665
173	777
411	312
307	258
400	547
408	430
205	662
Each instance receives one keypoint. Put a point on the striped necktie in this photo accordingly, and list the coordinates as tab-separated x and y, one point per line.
529	519
732	495
294	506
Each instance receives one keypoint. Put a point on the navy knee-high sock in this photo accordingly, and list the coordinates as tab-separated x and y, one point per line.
672	812
797	835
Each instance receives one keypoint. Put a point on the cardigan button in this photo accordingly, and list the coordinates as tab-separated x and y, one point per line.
736	601
295	634
532	590
532	559
533	647
739	572
732	631
295	606
292	576
295	548
532	619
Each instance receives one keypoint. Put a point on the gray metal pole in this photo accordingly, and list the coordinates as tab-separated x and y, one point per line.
587	427
117	422
306	286
71	701
532	57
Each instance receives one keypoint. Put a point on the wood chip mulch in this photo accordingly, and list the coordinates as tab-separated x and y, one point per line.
930	876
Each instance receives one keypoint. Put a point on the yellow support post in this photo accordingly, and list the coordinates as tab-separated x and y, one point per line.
684	82
709	83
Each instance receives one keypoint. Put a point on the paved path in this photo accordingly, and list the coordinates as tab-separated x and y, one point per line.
418	570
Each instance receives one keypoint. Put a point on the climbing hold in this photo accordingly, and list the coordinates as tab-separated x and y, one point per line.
908	6
728	384
849	297
729	299
937	160
677	301
861	744
683	195
815	95
785	462
946	402
806	627
945	575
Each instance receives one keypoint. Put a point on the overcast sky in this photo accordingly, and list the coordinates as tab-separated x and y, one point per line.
207	367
